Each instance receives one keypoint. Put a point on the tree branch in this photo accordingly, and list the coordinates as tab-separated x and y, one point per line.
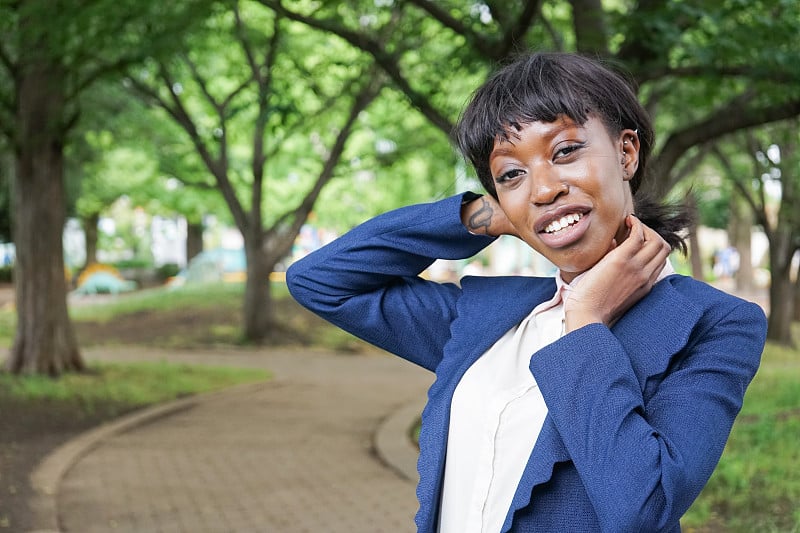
590	28
518	29
299	215
386	61
758	210
120	65
690	164
178	112
201	83
481	44
245	44
732	117
558	40
753	147
264	88
6	61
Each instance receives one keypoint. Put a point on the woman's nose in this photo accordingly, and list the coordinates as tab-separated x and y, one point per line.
547	187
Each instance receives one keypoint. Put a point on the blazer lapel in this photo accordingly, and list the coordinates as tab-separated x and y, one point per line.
656	328
488	308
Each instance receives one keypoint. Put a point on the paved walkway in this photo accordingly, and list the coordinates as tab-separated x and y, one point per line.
294	454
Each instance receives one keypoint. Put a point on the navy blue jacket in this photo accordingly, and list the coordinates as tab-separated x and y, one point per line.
638	414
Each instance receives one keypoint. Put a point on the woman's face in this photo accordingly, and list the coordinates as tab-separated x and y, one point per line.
564	187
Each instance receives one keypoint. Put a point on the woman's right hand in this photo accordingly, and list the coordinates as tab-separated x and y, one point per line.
484	216
622	277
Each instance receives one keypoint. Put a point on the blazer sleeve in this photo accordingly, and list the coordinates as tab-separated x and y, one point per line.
644	457
368	281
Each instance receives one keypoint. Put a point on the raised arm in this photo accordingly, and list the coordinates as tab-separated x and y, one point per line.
367	282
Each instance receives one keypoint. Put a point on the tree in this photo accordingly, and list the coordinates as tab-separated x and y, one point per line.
121	149
46	63
246	98
771	188
720	67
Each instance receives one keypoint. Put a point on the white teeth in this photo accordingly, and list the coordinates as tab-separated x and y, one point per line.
563	222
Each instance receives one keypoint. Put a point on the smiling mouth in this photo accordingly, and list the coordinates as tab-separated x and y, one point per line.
562	223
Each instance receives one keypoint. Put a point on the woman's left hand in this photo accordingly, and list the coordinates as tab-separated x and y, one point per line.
619	280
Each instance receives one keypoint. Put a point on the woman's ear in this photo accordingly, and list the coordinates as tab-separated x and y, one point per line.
629	146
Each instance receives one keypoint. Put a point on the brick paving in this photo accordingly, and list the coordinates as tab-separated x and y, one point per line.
293	454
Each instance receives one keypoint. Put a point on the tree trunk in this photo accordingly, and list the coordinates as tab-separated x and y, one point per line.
695	256
740	234
780	311
590	27
90	231
259	312
44	341
194	239
781	291
796	313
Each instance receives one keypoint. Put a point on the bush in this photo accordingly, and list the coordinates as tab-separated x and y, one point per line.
132	264
167	271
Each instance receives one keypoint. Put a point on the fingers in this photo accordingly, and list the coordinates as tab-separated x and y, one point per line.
644	249
653	253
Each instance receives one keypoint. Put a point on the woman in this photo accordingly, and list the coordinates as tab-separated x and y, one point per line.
600	400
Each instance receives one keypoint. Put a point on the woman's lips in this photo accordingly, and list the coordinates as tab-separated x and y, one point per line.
565	230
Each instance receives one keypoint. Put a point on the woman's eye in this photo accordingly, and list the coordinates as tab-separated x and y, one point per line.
508	176
567	150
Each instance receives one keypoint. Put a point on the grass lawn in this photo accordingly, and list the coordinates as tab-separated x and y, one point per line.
110	389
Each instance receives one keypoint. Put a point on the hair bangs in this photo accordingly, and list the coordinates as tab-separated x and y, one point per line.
536	91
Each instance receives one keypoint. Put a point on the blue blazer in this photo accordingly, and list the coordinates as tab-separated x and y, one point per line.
638	414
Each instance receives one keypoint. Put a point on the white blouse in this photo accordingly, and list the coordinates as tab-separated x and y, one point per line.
497	413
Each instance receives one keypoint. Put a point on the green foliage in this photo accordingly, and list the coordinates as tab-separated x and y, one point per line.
88	41
121	149
386	167
132	263
114	388
168	270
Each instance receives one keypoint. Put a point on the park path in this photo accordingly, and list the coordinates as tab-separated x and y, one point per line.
290	455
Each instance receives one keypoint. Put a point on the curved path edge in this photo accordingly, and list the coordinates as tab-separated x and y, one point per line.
391	441
48	474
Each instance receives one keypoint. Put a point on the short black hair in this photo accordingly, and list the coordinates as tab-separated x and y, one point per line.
544	86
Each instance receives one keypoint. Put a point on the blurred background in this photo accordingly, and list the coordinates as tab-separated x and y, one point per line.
148	147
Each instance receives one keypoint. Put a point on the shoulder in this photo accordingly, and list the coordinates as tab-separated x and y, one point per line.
512	295
702	292
715	303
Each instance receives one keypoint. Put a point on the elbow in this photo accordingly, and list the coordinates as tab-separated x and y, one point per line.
637	520
311	288
298	283
656	512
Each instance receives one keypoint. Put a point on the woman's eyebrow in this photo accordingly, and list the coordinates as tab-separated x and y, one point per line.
498	152
557	128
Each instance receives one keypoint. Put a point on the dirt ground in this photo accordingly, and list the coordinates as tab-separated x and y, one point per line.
28	432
